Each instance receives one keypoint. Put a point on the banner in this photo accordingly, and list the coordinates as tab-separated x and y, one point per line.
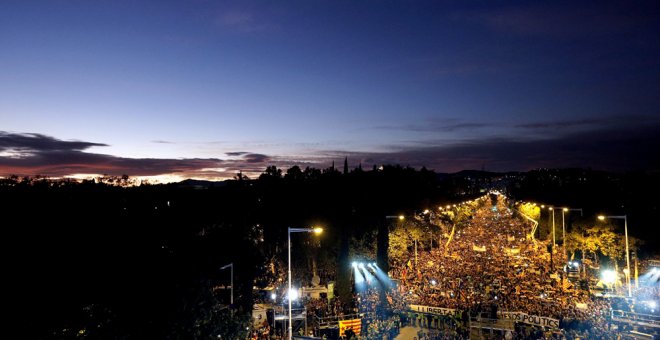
433	310
354	324
530	319
477	248
515	316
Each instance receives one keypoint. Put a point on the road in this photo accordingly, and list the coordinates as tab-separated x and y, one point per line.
407	333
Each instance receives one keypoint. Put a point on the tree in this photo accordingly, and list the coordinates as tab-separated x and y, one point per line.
271	172
531	210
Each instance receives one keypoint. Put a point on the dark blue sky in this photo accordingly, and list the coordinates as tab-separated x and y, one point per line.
206	88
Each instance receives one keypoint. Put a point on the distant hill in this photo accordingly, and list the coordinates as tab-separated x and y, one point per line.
200	184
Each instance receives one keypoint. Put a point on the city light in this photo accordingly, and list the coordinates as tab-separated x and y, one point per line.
608	276
293	294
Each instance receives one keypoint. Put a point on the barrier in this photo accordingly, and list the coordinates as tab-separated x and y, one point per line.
639	319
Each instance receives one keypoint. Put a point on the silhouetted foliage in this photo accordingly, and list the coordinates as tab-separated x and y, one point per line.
116	259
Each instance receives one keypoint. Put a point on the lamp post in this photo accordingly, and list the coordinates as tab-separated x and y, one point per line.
553	226
625	225
231	266
317	231
563	226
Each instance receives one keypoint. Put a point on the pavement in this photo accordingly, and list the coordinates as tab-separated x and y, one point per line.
407	333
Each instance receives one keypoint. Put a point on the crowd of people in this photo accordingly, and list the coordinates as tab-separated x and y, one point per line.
493	265
489	267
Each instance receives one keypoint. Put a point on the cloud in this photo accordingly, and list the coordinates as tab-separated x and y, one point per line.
235	153
563	20
614	148
249	157
36	154
589	123
437	125
162	142
611	147
30	142
256	158
242	20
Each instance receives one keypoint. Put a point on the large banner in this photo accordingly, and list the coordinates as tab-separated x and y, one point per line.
515	316
531	319
433	310
355	324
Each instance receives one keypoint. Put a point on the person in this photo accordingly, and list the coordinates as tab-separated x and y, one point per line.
349	333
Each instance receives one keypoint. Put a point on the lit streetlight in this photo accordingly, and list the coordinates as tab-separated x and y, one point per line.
316	230
554	243
625	224
563	226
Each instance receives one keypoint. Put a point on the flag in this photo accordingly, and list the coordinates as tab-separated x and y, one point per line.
354	324
409	264
477	248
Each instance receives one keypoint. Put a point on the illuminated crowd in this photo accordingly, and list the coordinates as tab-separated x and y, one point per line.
488	266
492	265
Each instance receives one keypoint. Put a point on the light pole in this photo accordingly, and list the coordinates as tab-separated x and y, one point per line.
563	227
625	225
554	243
231	266
317	231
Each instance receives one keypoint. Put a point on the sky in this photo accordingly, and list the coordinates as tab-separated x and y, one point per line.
204	89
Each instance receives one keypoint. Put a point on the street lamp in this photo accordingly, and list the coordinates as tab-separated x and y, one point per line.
625	224
231	266
316	230
553	226
563	226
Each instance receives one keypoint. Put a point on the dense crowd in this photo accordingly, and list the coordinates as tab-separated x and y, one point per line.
489	266
493	265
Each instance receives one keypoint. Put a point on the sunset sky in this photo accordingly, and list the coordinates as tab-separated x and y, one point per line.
203	89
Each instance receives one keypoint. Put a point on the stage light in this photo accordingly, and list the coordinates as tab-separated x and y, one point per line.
608	276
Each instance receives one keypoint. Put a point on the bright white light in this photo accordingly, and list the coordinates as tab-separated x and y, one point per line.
651	304
433	282
354	264
273	296
374	264
608	276
293	294
361	265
